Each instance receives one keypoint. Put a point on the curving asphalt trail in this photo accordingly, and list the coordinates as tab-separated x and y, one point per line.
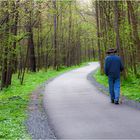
78	110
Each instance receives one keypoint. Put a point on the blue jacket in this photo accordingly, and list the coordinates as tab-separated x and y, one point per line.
113	66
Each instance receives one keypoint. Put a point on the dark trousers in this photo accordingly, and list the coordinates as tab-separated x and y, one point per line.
114	88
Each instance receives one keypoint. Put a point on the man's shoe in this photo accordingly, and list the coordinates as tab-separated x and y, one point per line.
116	102
112	101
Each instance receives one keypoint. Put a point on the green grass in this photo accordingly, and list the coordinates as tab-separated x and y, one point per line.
130	87
15	99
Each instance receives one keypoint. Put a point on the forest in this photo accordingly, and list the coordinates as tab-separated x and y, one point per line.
42	34
40	39
118	26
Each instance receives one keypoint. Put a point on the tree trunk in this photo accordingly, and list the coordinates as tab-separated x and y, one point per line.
136	38
116	25
55	34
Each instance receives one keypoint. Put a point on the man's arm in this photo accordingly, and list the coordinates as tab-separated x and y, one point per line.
121	65
106	67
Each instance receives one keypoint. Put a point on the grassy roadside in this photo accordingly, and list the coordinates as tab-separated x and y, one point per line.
130	87
14	101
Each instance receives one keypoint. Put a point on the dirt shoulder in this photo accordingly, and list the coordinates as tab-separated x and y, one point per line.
37	123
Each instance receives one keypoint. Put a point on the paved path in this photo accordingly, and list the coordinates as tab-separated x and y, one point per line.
78	110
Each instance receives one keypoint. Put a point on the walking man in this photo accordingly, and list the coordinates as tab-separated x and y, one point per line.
113	66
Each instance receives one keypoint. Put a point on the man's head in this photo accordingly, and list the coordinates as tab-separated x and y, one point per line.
111	51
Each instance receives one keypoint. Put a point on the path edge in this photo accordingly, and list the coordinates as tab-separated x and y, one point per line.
104	90
39	107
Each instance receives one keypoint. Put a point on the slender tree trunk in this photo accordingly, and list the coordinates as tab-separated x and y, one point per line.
136	38
32	59
55	34
5	50
98	30
69	38
12	59
116	25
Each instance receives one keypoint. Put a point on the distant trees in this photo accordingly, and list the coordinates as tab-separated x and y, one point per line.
51	33
118	27
42	34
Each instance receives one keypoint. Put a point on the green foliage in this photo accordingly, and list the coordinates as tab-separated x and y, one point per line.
14	101
129	87
101	78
